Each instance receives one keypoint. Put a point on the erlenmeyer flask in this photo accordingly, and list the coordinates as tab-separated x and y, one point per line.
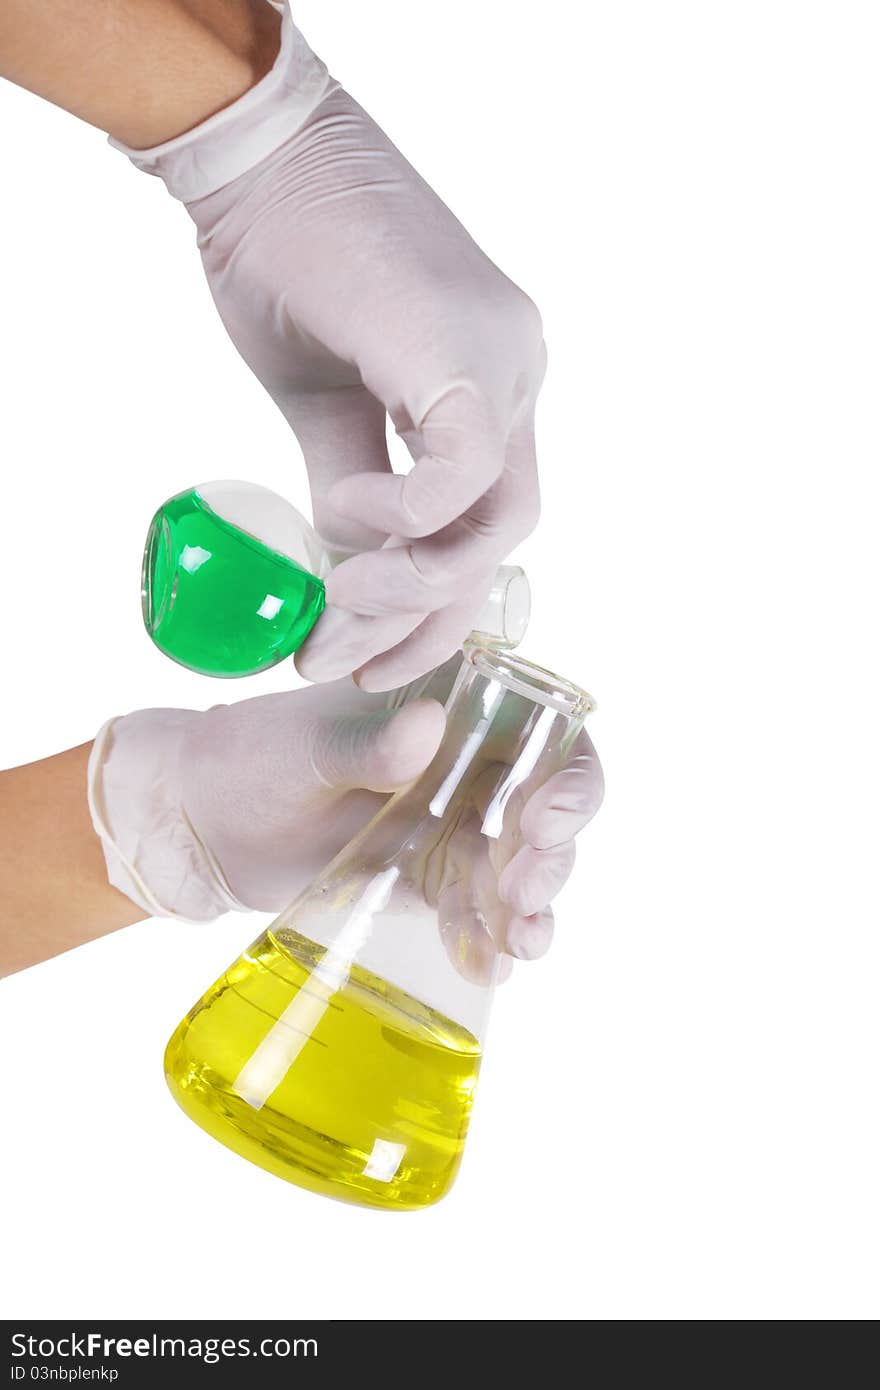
232	581
341	1051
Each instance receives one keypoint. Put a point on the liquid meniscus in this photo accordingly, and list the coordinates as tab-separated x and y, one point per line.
216	599
331	1078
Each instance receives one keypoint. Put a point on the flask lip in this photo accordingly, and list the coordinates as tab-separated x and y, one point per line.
158	552
531	681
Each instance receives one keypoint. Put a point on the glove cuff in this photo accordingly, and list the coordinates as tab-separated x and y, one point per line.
237	138
153	854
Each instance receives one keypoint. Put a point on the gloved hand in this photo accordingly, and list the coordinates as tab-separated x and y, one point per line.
352	291
240	807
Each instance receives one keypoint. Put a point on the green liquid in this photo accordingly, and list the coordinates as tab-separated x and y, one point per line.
216	599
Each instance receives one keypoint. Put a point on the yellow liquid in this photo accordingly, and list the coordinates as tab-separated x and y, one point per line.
338	1082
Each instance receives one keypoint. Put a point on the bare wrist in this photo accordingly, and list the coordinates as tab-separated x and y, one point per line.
225	48
142	70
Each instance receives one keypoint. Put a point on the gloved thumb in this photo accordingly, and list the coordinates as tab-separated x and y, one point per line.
383	751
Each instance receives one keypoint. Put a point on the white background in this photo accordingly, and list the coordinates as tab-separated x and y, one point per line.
677	1116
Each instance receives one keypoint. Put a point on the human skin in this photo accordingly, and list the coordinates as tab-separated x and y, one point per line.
142	70
49	905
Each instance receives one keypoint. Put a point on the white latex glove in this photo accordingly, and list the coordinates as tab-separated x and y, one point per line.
352	292
239	807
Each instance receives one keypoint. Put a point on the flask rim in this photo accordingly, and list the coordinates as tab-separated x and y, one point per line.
533	682
154	602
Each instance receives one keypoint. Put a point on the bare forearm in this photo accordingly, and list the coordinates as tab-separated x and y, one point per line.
54	892
143	70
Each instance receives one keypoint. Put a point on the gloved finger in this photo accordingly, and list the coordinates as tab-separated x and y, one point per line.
382	751
429	574
341	432
459	447
424	576
528	938
468	943
461	880
435	684
534	876
466	940
426	647
450	858
341	642
567	801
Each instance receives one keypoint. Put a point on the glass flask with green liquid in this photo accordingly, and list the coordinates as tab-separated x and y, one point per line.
233	581
341	1050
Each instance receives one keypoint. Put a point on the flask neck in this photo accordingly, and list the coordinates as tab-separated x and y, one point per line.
509	726
412	898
